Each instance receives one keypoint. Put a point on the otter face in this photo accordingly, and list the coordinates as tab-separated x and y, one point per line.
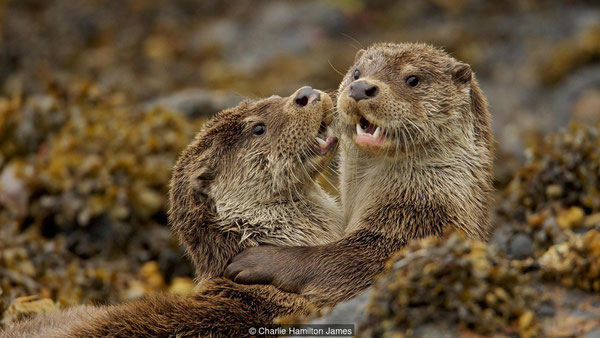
402	98
260	152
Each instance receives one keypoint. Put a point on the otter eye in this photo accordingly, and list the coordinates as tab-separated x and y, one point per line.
356	74
259	129
412	81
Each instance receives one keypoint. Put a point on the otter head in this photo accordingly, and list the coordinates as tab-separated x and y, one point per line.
247	172
413	118
398	99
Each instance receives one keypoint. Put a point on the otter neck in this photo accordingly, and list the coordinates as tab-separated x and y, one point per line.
367	181
310	217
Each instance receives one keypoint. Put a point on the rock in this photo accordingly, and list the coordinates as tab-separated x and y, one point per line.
445	282
592	220
587	106
151	275
24	307
575	263
546	308
528	326
550	227
570	218
536	220
521	246
554	258
593	334
182	286
574	98
501	237
350	311
135	290
591	242
195	102
554	190
571	55
435	330
14	193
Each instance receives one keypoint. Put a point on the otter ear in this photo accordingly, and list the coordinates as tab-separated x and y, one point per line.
461	73
201	179
359	54
479	108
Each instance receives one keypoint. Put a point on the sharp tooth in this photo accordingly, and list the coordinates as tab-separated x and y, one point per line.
322	142
377	132
359	129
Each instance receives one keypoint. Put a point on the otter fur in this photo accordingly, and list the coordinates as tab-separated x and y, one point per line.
416	159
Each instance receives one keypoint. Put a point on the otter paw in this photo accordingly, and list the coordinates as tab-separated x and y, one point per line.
252	266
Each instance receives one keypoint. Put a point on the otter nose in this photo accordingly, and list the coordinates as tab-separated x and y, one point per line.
307	95
362	90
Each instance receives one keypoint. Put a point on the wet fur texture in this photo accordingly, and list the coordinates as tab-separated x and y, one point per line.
221	308
433	172
56	324
230	190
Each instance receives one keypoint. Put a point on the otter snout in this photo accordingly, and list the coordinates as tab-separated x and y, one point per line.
362	90
307	95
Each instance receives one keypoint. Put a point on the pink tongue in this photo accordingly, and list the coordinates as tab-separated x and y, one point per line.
371	128
331	141
367	140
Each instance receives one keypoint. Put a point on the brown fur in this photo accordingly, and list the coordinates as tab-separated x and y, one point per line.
229	190
56	324
433	172
221	309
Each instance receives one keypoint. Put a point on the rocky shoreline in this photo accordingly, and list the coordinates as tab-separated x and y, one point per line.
97	101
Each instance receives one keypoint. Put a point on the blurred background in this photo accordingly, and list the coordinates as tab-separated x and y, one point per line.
98	97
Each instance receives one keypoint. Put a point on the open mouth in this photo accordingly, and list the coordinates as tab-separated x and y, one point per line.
325	140
369	134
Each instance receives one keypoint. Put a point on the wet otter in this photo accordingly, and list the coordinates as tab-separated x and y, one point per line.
247	179
416	159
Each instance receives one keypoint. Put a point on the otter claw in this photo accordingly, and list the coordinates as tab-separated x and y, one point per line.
232	271
248	267
238	274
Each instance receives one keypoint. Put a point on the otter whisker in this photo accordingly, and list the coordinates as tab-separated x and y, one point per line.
421	132
309	177
353	39
318	167
324	176
337	71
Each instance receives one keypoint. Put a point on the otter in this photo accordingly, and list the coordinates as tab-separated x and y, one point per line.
248	178
416	159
